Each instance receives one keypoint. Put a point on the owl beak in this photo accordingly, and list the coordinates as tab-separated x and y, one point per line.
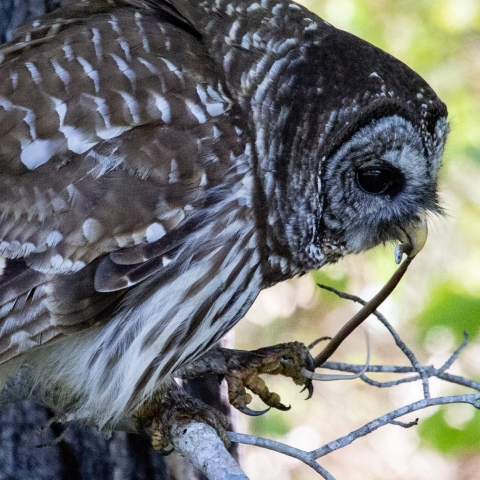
412	238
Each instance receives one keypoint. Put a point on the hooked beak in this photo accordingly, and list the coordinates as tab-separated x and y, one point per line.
412	238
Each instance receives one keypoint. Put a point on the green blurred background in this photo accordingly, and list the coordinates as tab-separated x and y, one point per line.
438	299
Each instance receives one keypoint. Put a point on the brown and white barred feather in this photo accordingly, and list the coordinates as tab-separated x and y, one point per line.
162	161
115	131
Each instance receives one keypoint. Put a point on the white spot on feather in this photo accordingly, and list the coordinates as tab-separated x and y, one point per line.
28	247
138	21
104	111
14	77
214	95
125	69
97	42
277	8
202	93
114	23
3	264
126	48
215	109
234	29
90	72
155	231
61	109
253	6
67	49
173	176
77	139
92	229
29	119
39	152
169	64
196	111
6	104
53	238
149	65
60	264
132	105
22	340
216	132
163	106
36	77
60	71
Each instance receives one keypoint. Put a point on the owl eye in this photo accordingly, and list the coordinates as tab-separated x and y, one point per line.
374	180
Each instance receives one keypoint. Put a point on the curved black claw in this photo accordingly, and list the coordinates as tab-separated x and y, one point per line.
310	366
253	413
166	453
309	387
282	407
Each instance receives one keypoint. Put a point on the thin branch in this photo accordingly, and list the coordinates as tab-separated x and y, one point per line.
305	457
353	368
398	341
309	457
390	384
405	425
448	377
456	354
370	427
430	371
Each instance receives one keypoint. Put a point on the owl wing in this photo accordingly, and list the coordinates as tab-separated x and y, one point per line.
113	133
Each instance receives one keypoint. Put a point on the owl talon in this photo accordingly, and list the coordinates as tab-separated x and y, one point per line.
252	413
309	387
244	370
175	406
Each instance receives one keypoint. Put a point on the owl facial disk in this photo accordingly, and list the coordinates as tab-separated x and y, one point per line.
380	184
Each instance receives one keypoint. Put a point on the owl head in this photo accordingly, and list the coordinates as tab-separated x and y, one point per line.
359	139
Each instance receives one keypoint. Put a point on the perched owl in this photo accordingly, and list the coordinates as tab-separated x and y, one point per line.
163	161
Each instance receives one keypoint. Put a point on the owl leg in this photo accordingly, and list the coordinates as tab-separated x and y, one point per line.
242	369
173	405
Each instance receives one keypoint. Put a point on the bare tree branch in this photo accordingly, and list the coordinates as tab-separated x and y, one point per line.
398	341
214	461
472	399
305	457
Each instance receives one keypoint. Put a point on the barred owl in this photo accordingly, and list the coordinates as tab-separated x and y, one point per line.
163	161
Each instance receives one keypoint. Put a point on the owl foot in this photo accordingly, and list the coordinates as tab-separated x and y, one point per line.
242	369
245	368
176	407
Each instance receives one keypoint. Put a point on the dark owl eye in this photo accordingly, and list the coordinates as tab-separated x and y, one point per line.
374	180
